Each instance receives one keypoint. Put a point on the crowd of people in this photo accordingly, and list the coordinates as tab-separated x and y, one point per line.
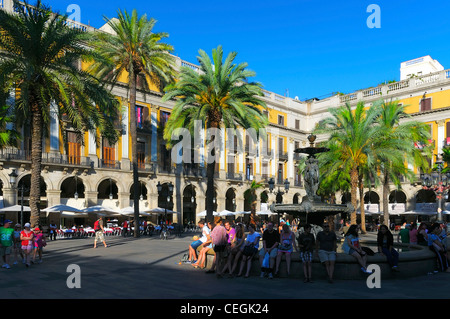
234	246
17	244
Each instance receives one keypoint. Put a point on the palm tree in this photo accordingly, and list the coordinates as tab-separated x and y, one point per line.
40	58
136	51
352	135
399	140
219	94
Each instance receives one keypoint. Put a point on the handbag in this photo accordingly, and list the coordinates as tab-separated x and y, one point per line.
285	247
266	260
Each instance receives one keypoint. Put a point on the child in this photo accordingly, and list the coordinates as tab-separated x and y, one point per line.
39	242
27	236
17	243
306	242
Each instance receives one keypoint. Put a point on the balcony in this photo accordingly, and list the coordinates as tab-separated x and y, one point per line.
17	155
234	176
193	170
112	164
283	156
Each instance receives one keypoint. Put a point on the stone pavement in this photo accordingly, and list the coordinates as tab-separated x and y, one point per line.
148	268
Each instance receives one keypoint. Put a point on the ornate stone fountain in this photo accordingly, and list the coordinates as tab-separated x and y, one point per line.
311	209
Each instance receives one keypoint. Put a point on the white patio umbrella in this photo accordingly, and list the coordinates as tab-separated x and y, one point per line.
73	214
102	210
129	211
159	210
203	214
266	212
243	213
15	208
61	208
225	213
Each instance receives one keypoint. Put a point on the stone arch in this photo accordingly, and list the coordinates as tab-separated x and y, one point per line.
397	196
297	198
372	197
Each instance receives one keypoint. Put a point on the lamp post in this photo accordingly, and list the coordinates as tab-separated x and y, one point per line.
13	179
110	189
76	187
438	183
279	192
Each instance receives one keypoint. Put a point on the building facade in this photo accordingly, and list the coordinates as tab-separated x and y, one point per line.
84	173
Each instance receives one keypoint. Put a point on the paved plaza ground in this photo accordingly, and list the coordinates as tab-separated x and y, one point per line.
148	268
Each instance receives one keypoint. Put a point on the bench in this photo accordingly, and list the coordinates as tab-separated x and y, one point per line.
415	262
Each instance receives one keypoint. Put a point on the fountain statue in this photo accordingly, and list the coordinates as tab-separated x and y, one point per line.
312	209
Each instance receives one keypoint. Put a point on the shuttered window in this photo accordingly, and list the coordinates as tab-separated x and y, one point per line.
73	148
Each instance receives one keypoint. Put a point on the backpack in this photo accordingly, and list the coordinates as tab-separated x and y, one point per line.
97	226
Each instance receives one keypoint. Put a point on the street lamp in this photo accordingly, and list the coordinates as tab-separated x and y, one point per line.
13	179
437	182
272	186
76	187
110	189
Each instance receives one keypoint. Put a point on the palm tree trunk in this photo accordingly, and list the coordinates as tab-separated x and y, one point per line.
354	187
361	205
36	161
210	171
134	155
386	198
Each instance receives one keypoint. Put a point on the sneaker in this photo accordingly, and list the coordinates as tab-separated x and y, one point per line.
263	274
364	270
270	276
395	268
4	265
7	266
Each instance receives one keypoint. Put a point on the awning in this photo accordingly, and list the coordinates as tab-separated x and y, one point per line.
159	210
15	208
129	211
225	213
203	214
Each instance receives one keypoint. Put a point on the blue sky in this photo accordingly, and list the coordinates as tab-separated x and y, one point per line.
304	48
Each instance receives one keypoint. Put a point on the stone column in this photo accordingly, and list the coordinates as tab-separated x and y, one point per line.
91	198
441	135
11	196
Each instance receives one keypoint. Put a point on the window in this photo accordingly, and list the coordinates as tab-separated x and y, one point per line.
280	146
280	120
139	116
73	148
164	117
108	154
141	154
425	104
297	124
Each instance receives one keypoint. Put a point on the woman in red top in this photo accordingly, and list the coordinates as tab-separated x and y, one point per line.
26	236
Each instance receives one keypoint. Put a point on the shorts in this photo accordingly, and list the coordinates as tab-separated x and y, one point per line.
272	254
99	236
5	250
28	247
306	256
196	244
325	255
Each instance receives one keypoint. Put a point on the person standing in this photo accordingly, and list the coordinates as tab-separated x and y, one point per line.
326	243
39	243
413	234
125	228
403	235
27	237
16	243
270	241
306	242
6	240
220	243
99	236
53	230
